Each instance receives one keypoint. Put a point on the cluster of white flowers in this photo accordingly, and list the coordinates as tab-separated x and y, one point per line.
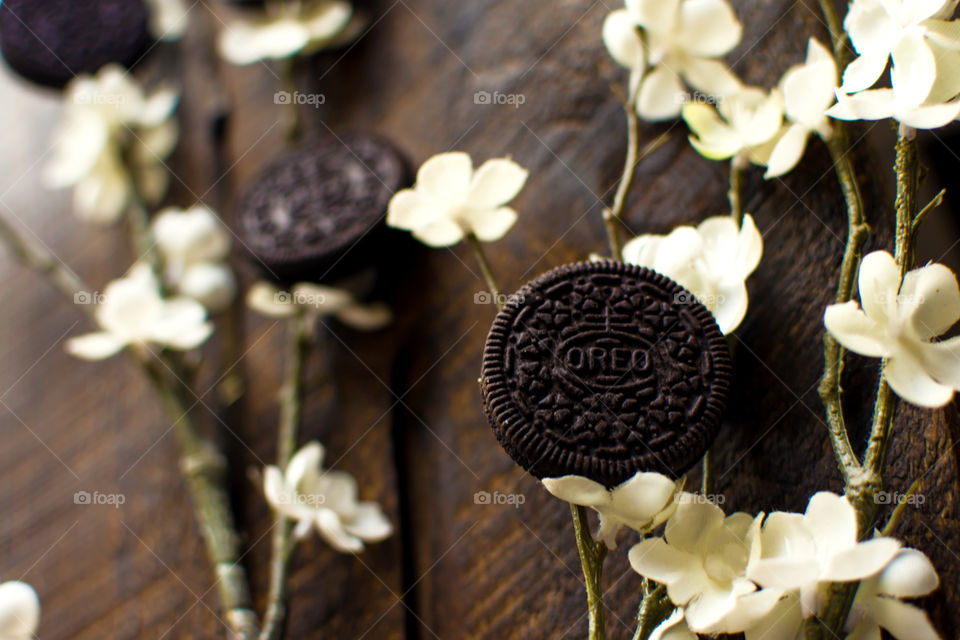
665	43
324	500
168	18
289	29
899	322
712	261
193	245
19	611
112	143
762	575
450	200
132	312
317	301
924	47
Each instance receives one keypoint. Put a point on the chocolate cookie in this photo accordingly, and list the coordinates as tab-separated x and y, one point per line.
603	369
318	210
52	41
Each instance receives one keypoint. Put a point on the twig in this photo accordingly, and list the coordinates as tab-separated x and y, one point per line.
287	435
481	256
655	608
592	554
930	206
838	37
736	186
830	388
706	475
203	467
611	215
897	514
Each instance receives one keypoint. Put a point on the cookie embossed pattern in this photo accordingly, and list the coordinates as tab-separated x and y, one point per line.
603	369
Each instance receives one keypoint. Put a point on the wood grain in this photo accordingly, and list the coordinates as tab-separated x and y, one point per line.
403	409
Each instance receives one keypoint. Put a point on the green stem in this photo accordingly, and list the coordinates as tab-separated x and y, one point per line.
203	468
736	186
706	479
288	74
592	554
287	434
830	384
611	216
655	608
838	37
477	247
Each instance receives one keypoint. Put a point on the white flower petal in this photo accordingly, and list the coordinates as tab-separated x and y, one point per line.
369	523
870	27
692	521
709	608
331	529
642	250
931	116
95	346
366	317
708	28
102	196
711	77
909	380
873	104
854	330
903	621
19	610
832	520
788	151
809	90
784	622
265	298
181	324
942	361
673	628
243	43
729	307
306	462
211	284
909	575
496	183
679	570
661	96
864	72
638	500
713	138
934	299
622	40
325	20
878	282
577	490
859	561
442	233
914	69
446	177
490	225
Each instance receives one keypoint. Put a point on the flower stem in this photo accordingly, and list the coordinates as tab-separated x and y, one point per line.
830	384
611	215
736	186
203	468
477	247
288	429
655	608
592	554
838	36
288	73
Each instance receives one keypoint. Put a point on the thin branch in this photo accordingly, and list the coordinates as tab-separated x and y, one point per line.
736	186
592	554
898	510
477	247
287	434
655	608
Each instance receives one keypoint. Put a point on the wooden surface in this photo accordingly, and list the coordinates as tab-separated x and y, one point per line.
403	410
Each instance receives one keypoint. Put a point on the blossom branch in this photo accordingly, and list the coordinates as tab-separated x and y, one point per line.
838	37
481	256
203	468
287	434
736	186
592	554
830	384
655	608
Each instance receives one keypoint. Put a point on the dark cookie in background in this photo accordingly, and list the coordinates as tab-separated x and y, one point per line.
51	41
604	369
318	212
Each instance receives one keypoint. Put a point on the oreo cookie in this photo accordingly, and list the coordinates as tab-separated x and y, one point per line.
318	212
51	41
604	369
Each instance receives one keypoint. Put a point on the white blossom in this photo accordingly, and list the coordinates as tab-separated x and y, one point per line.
19	611
744	126
799	552
680	40
712	261
899	322
324	500
114	139
808	91
450	199
702	559
318	301
289	29
877	604
194	245
134	313
640	503
168	19
673	628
